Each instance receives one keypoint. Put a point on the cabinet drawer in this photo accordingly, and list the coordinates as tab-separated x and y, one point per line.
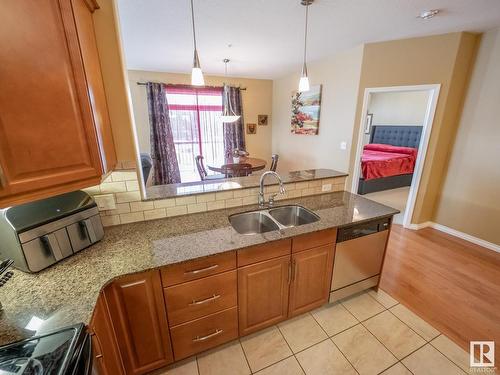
198	268
198	298
310	240
204	333
266	251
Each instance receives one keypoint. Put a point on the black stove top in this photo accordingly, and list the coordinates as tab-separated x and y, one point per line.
51	354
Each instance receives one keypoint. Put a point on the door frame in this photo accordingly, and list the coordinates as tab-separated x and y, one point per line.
433	90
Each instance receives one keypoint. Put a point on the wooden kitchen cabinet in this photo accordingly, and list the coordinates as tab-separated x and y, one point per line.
195	299
314	239
204	333
105	350
311	277
263	294
55	133
183	309
137	311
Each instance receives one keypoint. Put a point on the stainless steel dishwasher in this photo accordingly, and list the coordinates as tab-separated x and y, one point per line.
359	255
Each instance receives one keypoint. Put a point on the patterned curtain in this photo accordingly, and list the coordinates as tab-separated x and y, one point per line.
165	165
234	136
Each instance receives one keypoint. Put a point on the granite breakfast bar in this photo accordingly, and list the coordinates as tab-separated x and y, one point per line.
67	292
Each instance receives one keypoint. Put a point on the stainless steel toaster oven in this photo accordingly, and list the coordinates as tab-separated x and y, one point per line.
38	234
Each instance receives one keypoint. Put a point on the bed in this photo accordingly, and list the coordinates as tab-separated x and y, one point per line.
389	159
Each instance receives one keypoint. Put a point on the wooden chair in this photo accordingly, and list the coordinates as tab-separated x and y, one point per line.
274	162
203	172
237	170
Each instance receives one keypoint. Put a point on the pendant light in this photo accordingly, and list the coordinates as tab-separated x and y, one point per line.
228	114
304	79
196	73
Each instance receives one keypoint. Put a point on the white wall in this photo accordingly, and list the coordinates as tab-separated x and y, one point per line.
399	108
340	76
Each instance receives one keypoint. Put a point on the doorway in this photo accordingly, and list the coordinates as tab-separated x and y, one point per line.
392	143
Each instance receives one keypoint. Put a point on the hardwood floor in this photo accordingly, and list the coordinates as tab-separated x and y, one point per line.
451	283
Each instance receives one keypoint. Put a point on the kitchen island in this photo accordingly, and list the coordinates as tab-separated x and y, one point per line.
67	292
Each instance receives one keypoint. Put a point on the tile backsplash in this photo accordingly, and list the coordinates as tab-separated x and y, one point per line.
119	199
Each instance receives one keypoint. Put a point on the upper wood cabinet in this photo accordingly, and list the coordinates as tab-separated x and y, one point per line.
55	133
311	278
137	311
263	294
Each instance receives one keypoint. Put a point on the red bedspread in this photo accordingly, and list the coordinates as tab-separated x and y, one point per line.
379	160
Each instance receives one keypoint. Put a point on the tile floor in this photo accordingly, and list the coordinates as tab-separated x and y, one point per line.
370	333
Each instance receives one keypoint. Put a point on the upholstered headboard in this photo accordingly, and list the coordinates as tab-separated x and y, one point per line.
396	135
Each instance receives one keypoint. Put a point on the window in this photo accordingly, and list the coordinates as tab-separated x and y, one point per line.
196	127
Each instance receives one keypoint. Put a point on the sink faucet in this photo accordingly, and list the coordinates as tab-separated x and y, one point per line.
262	201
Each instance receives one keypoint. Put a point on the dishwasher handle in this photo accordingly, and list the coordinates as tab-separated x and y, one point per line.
360	230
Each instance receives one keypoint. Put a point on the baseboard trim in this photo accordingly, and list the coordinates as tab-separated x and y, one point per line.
456	233
467	237
420	226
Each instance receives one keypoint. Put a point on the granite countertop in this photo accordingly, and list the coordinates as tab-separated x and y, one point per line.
66	293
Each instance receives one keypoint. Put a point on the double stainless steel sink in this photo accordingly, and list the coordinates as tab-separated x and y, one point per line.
263	221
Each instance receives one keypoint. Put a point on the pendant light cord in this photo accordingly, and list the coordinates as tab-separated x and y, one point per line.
305	31
194	30
226	91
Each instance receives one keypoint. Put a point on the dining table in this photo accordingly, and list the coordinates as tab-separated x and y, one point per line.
232	167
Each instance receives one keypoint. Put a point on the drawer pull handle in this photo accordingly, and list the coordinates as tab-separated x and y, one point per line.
194	272
202	301
203	338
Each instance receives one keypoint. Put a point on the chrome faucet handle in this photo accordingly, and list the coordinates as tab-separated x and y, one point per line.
271	199
282	191
262	201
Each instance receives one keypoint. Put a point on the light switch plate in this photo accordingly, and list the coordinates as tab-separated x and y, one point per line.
343	145
105	201
326	187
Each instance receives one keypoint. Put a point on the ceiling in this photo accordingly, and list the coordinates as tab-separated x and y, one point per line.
264	38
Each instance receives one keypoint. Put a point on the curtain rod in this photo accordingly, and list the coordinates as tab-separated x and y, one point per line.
145	83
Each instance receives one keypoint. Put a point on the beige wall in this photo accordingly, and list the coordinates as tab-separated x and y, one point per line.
112	66
399	108
445	59
339	76
463	198
469	199
257	100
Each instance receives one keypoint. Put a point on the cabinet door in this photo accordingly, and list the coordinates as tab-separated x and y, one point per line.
139	319
311	277
263	294
49	141
105	350
95	84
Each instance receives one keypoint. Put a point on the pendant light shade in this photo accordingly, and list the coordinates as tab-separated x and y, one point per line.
196	73
228	114
304	79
